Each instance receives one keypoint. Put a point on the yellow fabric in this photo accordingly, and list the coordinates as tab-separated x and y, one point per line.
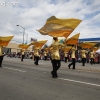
65	54
45	53
94	49
23	46
36	51
70	23
60	33
38	44
83	53
1	51
73	40
55	50
59	27
67	48
73	52
23	52
48	49
5	40
87	45
91	54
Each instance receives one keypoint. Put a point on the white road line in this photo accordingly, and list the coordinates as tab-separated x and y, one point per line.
14	69
79	82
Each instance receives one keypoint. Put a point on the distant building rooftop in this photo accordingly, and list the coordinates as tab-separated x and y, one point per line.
90	40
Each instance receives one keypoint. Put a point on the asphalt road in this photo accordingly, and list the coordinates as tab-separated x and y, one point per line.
26	81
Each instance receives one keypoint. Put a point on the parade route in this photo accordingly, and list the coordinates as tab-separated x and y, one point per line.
24	80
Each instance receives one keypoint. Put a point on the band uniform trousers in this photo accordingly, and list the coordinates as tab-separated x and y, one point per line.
22	57
83	61
72	63
45	58
66	59
36	60
56	65
92	61
1	58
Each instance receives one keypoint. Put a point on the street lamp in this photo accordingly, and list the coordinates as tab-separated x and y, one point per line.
23	32
26	37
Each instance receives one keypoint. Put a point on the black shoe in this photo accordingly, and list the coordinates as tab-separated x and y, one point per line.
69	66
73	68
54	76
0	66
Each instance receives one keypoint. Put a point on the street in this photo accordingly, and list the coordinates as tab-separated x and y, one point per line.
26	81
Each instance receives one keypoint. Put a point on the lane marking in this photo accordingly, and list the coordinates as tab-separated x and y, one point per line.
14	69
79	82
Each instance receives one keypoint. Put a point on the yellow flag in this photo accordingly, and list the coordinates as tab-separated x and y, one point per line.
38	44
5	40
23	46
73	40
67	48
59	27
94	49
87	45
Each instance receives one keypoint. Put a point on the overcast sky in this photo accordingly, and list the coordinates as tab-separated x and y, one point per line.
32	15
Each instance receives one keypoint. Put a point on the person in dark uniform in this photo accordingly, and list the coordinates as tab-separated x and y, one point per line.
1	55
73	57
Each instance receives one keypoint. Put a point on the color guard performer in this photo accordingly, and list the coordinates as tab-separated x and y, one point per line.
92	55
83	55
36	55
1	55
73	57
45	55
55	56
22	54
66	56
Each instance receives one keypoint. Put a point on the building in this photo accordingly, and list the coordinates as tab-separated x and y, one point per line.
11	47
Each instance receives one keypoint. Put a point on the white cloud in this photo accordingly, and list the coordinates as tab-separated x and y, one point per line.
32	15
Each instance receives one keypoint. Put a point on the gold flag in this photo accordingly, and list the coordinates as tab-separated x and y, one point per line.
23	46
59	27
94	49
67	48
73	40
38	44
5	40
87	45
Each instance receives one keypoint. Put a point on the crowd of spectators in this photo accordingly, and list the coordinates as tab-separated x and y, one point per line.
30	55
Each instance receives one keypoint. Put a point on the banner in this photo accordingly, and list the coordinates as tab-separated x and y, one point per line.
33	40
